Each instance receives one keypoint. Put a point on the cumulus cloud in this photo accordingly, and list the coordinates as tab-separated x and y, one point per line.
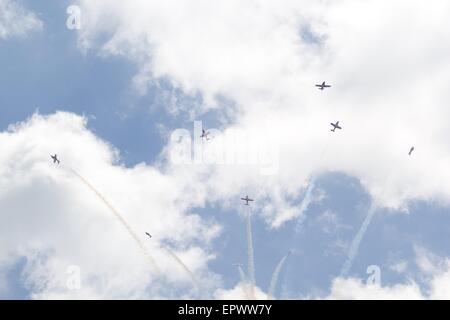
355	289
388	68
434	279
15	20
50	218
386	61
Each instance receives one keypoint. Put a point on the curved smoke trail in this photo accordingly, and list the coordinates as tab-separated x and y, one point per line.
305	203
308	193
354	248
250	254
276	274
120	219
185	268
134	235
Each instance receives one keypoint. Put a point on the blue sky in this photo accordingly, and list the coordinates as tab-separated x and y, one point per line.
47	72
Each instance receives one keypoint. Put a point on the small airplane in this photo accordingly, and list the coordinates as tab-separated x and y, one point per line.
150	236
322	86
410	151
204	134
55	158
238	264
246	199
335	126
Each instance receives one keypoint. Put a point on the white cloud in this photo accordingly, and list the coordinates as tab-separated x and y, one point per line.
15	20
241	291
50	217
385	60
355	289
434	275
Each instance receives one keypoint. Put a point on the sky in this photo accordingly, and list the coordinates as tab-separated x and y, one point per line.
121	92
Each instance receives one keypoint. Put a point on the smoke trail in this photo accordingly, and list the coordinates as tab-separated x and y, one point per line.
275	275
121	220
354	248
250	253
134	235
308	193
305	203
242	275
185	268
245	282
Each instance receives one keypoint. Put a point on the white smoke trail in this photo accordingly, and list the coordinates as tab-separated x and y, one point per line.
120	219
242	275
354	248
305	203
275	275
134	235
250	254
185	268
307	199
245	282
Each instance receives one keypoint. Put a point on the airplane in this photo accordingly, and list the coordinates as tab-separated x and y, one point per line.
335	126
238	264
55	158
204	134
246	199
322	86
410	151
148	234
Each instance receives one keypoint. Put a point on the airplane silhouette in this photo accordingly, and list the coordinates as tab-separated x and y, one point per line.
55	158
246	199
204	134
322	86
335	126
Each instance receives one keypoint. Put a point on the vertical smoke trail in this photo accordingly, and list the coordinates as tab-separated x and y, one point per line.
242	275
354	248
121	220
276	274
245	282
250	253
185	268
